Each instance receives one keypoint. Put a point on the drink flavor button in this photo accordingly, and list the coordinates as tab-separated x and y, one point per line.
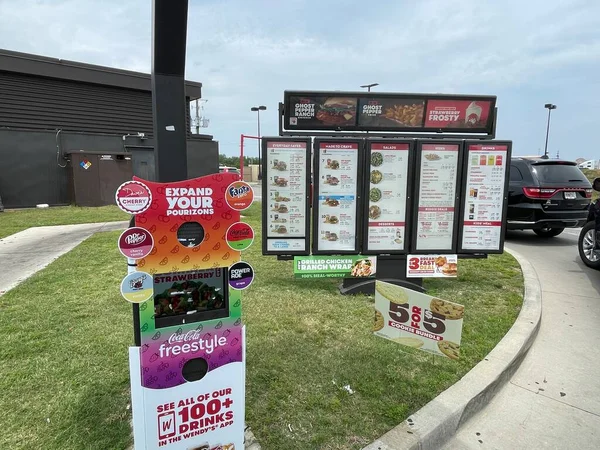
135	243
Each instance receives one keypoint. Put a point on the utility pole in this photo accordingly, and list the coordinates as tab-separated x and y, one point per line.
197	118
550	107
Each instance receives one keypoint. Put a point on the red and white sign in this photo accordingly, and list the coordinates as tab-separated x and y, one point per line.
133	197
457	113
431	266
135	243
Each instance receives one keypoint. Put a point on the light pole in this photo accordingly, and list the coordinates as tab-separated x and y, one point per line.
369	86
550	107
258	109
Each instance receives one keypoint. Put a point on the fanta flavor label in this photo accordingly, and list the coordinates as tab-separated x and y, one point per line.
239	195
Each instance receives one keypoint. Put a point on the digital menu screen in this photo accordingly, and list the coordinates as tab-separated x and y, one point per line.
484	191
336	196
379	111
287	166
438	174
388	183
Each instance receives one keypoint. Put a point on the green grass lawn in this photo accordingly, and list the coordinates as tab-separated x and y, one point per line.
15	220
65	381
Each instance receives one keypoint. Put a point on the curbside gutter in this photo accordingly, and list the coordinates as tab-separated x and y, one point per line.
434	424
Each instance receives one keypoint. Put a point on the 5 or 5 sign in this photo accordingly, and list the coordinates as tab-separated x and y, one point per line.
418	320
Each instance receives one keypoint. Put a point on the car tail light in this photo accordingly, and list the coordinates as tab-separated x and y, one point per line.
539	193
588	193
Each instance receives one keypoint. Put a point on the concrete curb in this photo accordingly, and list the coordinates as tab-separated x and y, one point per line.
434	424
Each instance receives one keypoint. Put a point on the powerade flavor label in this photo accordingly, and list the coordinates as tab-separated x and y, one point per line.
240	236
241	275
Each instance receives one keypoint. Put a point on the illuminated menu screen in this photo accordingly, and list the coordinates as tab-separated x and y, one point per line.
485	181
437	195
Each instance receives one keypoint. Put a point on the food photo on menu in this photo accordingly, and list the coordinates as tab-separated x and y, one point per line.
364	268
279	181
391	113
319	111
279	165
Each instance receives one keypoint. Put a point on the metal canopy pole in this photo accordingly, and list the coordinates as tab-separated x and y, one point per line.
169	32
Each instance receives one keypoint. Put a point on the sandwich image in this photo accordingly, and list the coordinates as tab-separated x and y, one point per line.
337	111
450	269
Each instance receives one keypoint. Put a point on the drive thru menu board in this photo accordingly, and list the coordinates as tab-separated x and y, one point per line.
287	168
388	178
336	197
437	196
485	185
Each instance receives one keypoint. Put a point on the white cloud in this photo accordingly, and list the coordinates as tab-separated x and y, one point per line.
246	53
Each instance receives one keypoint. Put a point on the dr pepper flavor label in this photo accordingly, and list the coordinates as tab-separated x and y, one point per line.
239	236
135	243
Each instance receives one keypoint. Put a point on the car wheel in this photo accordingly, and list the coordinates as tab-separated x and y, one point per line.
587	240
548	232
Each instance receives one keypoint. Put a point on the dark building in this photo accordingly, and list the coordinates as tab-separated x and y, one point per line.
70	133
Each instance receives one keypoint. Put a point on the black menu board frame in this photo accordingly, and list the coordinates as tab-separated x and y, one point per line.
366	195
417	195
265	196
465	195
343	111
316	204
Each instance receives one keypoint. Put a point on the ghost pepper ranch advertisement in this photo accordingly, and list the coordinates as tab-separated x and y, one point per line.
356	111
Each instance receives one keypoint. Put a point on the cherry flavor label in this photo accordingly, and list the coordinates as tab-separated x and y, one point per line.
239	236
133	197
239	195
135	243
241	275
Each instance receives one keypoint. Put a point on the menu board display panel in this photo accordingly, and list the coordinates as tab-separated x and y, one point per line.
335	204
437	196
386	199
286	180
395	112
484	192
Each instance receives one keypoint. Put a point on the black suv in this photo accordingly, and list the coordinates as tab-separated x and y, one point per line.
547	195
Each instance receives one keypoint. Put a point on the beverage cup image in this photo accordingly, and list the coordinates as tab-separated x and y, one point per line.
473	113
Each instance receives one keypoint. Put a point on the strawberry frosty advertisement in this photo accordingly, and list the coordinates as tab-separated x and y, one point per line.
188	375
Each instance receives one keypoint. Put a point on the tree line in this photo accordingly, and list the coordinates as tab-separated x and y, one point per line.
234	161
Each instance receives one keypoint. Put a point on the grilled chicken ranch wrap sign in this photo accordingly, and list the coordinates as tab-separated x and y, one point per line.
353	266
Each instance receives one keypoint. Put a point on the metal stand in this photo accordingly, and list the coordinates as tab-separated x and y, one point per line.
391	269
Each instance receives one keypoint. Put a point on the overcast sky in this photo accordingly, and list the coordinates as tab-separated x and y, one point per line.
247	52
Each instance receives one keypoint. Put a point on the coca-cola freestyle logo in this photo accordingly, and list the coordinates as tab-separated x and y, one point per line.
239	236
189	201
135	243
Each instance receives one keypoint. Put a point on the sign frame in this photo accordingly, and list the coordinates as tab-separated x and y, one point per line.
265	195
417	194
487	130
463	203
315	197
409	194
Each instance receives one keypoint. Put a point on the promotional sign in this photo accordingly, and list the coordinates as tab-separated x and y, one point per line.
377	111
351	266
437	199
431	266
133	197
388	196
188	374
457	113
241	275
485	197
335	201
286	184
418	320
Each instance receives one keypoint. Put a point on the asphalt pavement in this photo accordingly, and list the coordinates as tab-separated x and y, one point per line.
553	399
23	254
